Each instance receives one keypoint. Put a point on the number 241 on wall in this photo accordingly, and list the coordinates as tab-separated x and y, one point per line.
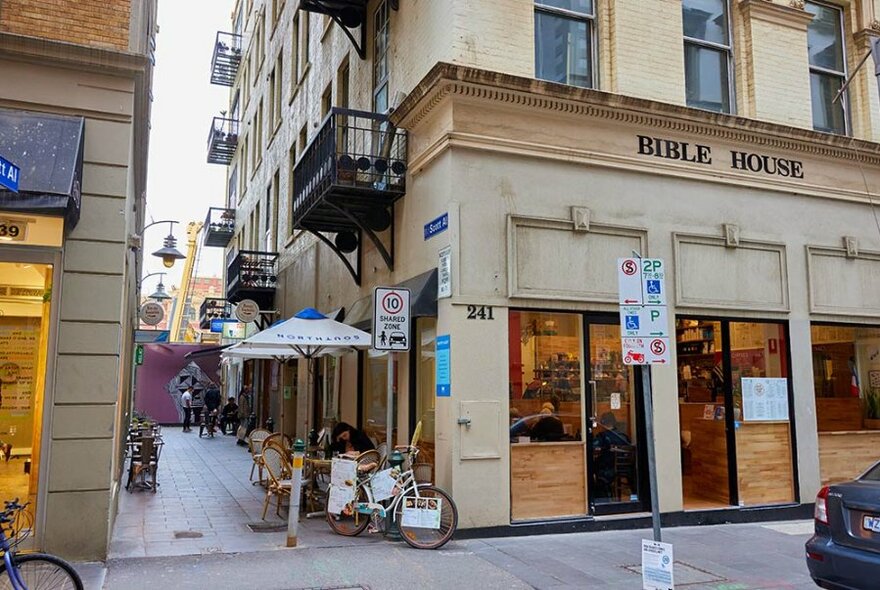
480	312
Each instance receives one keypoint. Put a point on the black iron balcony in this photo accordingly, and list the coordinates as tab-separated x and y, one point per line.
353	170
213	308
348	14
226	60
219	227
222	141
252	275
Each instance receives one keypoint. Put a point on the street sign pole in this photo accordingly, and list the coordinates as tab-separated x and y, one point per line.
389	410
652	462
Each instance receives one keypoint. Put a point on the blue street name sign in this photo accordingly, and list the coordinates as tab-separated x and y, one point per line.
9	174
437	226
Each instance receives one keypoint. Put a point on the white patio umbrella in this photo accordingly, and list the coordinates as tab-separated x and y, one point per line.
309	334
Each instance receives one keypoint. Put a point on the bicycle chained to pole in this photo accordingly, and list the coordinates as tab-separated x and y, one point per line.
29	571
425	515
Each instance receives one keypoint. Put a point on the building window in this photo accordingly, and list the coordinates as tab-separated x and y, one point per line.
272	213
375	398
707	54
294	53
342	85
827	67
380	58
426	386
303	138
304	44
564	41
232	189
326	101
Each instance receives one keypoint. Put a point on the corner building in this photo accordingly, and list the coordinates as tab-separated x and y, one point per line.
74	116
510	152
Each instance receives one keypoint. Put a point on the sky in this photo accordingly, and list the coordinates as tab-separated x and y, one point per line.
181	185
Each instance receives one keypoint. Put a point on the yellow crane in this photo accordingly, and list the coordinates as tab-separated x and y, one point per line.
184	295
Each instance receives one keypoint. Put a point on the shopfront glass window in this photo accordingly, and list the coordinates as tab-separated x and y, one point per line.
760	383
426	386
24	345
375	396
846	379
545	377
564	41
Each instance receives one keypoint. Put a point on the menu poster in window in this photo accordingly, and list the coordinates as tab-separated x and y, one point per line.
874	378
383	484
764	399
340	497
422	513
343	472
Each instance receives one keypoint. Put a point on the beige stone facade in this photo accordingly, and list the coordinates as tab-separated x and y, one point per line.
89	60
546	185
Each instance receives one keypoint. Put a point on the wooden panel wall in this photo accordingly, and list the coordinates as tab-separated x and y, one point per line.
547	480
763	459
709	460
838	413
845	455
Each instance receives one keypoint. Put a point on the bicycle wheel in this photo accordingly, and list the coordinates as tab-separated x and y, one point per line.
428	538
41	571
349	525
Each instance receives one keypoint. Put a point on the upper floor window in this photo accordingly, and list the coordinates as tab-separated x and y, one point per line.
707	54
380	58
564	41
827	67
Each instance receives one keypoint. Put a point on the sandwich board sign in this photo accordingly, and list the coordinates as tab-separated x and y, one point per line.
391	319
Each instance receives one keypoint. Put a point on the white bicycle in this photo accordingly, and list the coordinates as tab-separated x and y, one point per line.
425	514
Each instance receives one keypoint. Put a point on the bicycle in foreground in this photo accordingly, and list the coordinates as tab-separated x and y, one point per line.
424	514
29	571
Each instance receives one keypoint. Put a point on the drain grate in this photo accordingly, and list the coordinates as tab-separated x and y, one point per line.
188	535
685	574
267	527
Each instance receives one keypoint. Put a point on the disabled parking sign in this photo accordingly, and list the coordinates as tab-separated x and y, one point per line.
644	323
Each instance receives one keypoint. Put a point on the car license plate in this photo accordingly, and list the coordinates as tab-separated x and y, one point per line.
872	523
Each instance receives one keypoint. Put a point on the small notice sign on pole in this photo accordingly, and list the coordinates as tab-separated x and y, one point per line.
657	566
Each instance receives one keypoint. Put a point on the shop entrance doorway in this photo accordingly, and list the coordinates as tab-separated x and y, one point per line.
615	424
734	413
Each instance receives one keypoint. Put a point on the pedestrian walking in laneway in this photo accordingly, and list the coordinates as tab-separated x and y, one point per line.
186	402
212	402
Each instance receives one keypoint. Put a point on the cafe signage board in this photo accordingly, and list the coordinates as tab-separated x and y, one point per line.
644	322
247	311
152	313
391	319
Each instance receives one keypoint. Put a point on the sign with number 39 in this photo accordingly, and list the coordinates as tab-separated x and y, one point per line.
13	229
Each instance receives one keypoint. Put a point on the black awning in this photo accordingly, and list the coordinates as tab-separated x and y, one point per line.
423	301
206	351
49	151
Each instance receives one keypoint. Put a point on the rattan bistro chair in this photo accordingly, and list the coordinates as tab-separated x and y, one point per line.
255	445
282	440
278	473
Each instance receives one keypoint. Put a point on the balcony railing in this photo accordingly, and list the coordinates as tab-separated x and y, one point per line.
358	161
226	60
219	227
222	141
213	308
252	275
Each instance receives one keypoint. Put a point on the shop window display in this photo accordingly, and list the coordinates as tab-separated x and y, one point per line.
24	325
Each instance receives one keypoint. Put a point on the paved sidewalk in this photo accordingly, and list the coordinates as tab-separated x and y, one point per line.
726	557
204	504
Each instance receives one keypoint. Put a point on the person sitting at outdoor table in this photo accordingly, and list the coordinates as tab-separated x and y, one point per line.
229	416
348	439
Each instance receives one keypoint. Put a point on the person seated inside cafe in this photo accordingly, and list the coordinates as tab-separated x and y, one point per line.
548	426
605	443
229	416
348	439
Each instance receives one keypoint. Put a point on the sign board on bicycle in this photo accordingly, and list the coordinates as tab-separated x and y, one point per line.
382	485
421	513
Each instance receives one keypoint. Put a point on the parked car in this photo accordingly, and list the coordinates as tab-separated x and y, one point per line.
844	552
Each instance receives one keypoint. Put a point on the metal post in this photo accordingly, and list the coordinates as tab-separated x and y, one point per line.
389	410
392	531
299	450
652	462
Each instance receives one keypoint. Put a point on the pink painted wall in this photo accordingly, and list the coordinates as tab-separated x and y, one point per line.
162	364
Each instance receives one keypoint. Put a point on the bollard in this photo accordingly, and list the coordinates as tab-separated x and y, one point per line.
392	533
299	450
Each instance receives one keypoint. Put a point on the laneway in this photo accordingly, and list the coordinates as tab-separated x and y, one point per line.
204	505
